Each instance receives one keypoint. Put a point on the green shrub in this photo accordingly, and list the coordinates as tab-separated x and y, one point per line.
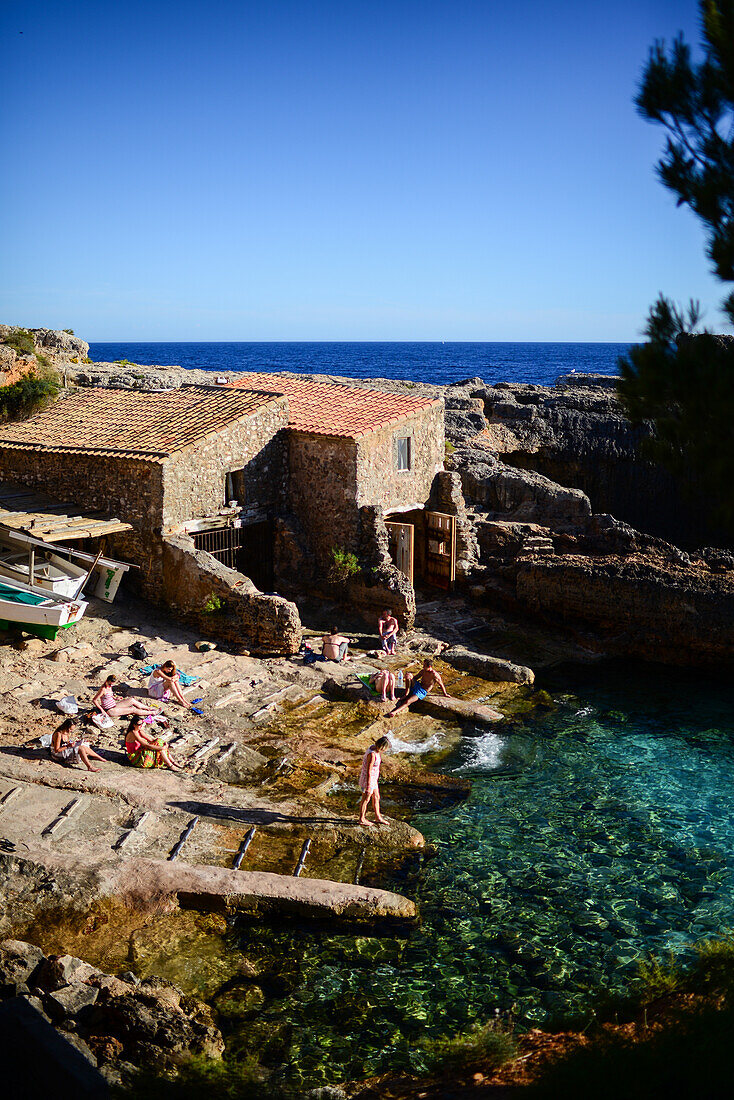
655	978
486	1045
343	567
21	341
213	604
448	447
86	359
23	397
69	331
713	970
125	363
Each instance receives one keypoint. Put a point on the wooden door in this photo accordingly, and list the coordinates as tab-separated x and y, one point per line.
401	546
440	549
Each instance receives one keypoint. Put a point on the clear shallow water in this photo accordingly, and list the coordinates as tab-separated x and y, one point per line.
598	834
424	362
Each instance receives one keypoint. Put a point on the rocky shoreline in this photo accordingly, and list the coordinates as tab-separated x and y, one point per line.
119	1025
560	518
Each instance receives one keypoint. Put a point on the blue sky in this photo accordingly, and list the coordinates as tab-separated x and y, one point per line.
347	170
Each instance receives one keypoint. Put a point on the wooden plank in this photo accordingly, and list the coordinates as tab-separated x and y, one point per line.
132	833
205	749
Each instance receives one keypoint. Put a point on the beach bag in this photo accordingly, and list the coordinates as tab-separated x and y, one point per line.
138	651
102	721
67	705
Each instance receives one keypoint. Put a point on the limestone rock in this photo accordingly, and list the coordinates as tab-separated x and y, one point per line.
18	961
70	999
109	986
490	668
61	970
238	767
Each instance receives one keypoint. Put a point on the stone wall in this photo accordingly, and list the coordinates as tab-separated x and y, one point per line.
224	603
378	479
194	478
128	488
322	491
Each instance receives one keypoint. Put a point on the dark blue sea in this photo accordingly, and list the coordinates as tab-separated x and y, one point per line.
438	363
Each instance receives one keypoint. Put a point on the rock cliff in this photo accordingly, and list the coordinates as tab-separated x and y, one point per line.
576	434
23	350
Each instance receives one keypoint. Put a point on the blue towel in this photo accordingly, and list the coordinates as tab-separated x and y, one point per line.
184	677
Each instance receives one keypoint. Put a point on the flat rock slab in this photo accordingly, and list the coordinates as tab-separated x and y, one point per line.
140	882
482	664
439	706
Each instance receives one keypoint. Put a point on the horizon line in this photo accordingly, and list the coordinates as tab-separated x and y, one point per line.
446	342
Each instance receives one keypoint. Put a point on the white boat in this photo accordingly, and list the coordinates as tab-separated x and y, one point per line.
35	611
26	560
54	574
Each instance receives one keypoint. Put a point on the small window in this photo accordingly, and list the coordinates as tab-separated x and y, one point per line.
234	488
404	455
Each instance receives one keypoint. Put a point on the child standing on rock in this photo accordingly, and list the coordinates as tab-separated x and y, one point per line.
368	780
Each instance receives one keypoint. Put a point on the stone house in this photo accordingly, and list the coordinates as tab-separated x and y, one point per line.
164	462
362	468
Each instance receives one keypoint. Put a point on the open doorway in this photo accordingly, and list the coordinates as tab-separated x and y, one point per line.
247	549
423	546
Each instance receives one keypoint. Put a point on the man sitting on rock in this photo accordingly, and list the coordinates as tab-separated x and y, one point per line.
419	687
388	628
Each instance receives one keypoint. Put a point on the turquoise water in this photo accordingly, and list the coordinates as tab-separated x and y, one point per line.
594	835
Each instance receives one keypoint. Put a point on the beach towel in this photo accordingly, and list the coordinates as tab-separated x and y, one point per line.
183	677
364	678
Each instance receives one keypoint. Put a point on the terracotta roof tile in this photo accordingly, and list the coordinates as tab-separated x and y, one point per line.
335	408
132	423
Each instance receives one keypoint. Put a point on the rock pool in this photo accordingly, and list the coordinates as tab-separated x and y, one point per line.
595	834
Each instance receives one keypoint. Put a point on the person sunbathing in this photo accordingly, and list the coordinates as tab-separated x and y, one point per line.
146	749
165	683
334	646
419	686
67	750
384	681
107	702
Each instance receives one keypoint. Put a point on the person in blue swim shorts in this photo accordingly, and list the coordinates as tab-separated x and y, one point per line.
426	679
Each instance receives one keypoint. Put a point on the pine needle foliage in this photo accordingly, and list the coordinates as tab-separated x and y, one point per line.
682	381
695	105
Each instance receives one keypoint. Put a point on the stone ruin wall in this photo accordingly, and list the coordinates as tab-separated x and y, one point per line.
225	604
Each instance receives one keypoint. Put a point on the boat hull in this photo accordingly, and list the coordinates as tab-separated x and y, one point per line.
23	609
38	630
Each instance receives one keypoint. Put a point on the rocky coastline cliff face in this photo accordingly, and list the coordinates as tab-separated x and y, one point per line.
577	435
554	549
